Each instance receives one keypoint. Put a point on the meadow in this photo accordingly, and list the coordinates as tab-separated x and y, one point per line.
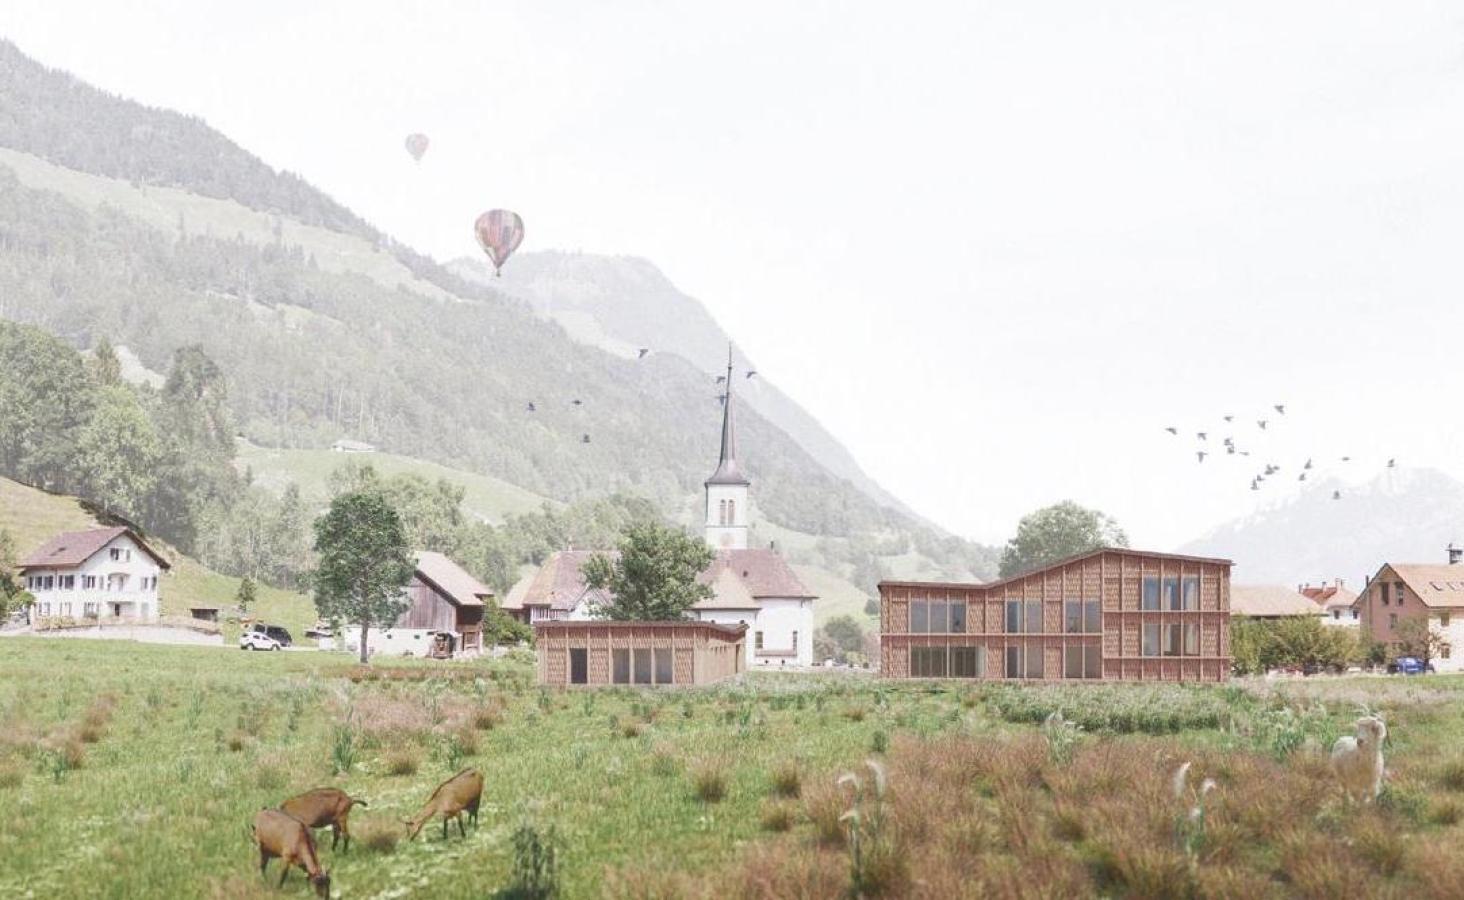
132	771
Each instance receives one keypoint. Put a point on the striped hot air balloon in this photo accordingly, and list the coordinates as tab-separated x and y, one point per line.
499	232
417	145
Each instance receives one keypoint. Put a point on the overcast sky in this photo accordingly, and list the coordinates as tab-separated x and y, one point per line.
995	247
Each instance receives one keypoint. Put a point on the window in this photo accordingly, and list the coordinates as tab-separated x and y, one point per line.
1171	594
757	640
1072	619
1392	620
1033	622
1444	620
1014	662
1354	614
1191	590
1151	639
928	662
1336	613
1013	617
958	617
968	662
1093	661
620	663
1034	662
89	610
1093	616
89	582
1192	639
1383	592
642	658
1072	661
1151	593
45	609
1398	592
663	665
938	616
1082	661
795	642
731	512
1082	616
919	616
50	582
66	609
1444	652
68	582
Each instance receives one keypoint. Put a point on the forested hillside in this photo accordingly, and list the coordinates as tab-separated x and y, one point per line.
440	370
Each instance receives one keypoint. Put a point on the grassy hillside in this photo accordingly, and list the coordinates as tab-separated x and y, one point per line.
487	498
32	517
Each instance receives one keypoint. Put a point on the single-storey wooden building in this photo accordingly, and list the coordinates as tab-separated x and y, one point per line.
651	653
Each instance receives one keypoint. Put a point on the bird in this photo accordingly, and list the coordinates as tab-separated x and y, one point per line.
1336	495
1243	452
585	439
577	402
531	407
1280	408
1171	429
721	379
1202	435
1230	449
1201	454
1301	477
1229	418
642	352
1308	463
1347	459
751	373
1392	463
1262	423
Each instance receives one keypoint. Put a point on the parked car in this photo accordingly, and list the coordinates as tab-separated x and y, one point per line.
274	632
1409	665
258	640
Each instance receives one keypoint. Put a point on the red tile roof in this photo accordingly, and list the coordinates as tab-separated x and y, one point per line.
72	548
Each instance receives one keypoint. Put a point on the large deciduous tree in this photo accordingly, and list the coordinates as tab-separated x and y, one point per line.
655	576
1056	532
364	565
1416	637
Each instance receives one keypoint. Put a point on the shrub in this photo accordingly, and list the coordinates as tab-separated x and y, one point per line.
377	835
236	742
664	762
401	762
487	718
343	749
854	713
787	779
776	816
710	782
269	776
879	742
535	874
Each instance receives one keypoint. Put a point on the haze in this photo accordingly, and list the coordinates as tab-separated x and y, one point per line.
995	248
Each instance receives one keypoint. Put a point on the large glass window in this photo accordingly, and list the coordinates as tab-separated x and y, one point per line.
928	662
1171	594
1034	662
1014	616
1093	616
1151	592
958	617
1151	639
663	666
1171	639
1072	662
919	616
1014	662
1033	623
1082	661
1072	617
1191	592
642	659
938	616
1093	661
968	662
620	663
1192	639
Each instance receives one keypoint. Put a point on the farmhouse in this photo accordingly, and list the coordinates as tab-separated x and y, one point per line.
754	587
1403	591
1107	614
1338	604
1272	601
445	616
101	573
655	653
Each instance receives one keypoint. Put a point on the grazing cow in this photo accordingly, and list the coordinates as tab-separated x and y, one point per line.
460	793
283	836
324	806
1358	760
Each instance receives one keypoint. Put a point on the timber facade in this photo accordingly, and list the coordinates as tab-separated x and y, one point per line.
1111	614
638	653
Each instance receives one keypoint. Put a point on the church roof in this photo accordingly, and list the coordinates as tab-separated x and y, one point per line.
728	471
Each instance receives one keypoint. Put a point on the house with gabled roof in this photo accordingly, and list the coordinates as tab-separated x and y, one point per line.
1339	605
1403	591
444	616
99	573
751	586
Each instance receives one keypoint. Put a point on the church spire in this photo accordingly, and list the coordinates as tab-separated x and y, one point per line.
728	472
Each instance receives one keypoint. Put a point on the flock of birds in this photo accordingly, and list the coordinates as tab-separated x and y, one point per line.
533	407
1270	470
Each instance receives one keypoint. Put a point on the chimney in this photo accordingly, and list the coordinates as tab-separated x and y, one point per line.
1456	555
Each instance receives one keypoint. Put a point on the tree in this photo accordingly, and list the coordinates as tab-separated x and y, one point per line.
105	365
13	595
1057	532
655	576
845	632
1416	637
118	451
871	607
245	597
365	563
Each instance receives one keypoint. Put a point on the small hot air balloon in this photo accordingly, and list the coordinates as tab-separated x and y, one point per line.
499	232
417	145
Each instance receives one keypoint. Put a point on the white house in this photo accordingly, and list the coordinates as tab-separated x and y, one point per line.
1338	604
750	586
102	573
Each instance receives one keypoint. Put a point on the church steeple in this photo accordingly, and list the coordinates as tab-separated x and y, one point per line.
726	523
728	472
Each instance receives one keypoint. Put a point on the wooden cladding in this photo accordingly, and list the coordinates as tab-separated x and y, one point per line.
638	653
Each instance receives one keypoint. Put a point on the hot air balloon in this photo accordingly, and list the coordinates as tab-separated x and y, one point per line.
417	145
499	233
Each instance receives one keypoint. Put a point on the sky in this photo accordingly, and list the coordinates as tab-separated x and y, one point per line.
996	248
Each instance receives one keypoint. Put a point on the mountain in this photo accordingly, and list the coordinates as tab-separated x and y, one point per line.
154	231
622	304
1404	515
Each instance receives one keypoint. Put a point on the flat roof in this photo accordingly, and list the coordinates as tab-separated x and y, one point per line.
1120	551
691	624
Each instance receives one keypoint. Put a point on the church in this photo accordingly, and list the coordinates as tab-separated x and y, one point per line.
750	586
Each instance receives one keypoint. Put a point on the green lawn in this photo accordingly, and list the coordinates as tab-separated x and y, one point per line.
131	770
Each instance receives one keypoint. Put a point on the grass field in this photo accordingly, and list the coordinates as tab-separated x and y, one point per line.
130	770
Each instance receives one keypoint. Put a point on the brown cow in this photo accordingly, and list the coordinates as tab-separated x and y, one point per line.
460	793
324	806
283	836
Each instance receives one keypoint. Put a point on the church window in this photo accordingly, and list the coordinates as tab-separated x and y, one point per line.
731	512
